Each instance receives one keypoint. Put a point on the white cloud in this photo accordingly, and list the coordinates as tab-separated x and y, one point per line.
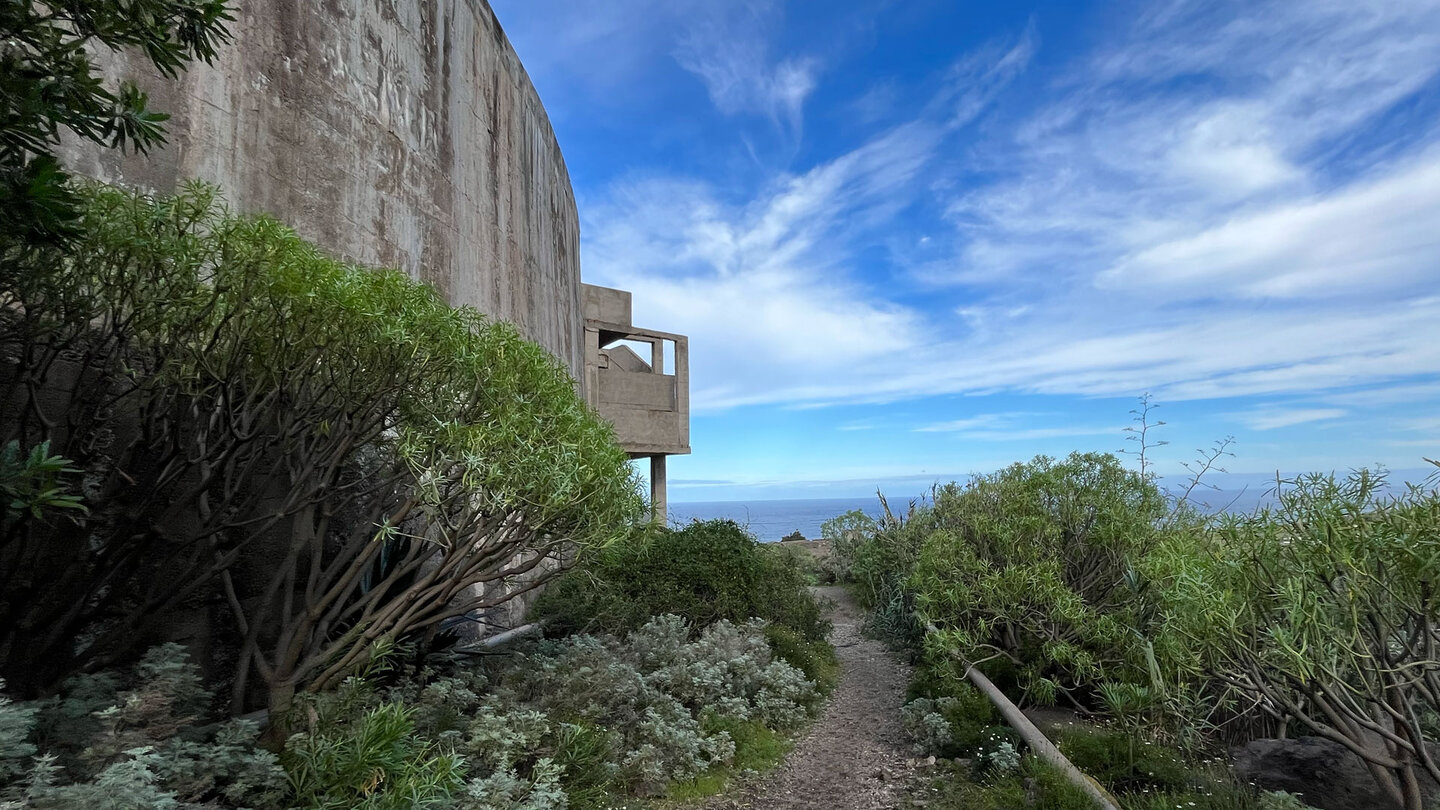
1371	237
1004	427
1272	418
1195	116
727	47
1030	434
1386	395
984	420
1199	210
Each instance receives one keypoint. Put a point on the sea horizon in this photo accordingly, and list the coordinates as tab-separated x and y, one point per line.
771	519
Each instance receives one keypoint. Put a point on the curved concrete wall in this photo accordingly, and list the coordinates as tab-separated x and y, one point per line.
402	133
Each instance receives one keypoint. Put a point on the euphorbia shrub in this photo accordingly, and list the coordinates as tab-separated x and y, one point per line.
1321	611
328	456
1032	566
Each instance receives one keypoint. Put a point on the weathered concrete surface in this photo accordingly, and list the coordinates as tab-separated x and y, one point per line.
649	408
401	133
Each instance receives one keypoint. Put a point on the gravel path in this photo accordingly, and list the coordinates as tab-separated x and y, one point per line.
854	757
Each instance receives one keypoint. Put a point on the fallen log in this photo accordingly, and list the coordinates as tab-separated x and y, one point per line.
1039	744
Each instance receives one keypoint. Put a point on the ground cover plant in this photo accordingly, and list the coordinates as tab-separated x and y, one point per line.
574	723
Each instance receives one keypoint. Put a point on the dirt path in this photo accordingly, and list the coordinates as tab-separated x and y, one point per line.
854	757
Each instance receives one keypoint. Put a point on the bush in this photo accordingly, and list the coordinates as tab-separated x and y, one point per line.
1037	786
814	658
703	573
113	742
1126	762
664	697
236	412
959	723
757	747
1033	563
1029	785
845	534
1313	609
373	761
563	724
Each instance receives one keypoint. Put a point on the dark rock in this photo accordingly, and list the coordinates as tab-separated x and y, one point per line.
1323	773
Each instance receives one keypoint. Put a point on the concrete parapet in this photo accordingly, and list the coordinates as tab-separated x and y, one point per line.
627	382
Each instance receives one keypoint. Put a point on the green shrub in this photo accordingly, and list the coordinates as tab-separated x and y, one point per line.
1030	785
814	658
952	788
757	748
878	559
1313	606
960	722
807	562
1125	761
1034	561
586	755
248	413
373	761
845	533
703	573
1053	790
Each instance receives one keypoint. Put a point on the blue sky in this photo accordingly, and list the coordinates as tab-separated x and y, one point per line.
914	240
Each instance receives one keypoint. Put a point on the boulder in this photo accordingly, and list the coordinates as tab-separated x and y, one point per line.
1323	773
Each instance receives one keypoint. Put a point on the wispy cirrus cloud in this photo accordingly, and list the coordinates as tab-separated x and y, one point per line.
1273	418
1005	427
1209	202
728	46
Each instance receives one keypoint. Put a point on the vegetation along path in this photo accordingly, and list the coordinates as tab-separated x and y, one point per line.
855	756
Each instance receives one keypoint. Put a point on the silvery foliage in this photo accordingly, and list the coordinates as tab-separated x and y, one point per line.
1003	757
653	688
496	739
494	736
130	751
729	669
924	722
16	722
506	790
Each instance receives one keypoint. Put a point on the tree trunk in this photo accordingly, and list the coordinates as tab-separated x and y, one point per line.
282	701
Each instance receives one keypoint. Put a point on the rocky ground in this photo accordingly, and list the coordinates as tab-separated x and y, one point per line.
855	756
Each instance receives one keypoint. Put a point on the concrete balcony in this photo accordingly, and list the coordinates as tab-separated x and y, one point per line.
639	380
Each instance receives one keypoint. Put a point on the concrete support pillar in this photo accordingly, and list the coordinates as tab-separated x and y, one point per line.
657	489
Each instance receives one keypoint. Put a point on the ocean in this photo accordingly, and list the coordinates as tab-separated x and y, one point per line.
770	520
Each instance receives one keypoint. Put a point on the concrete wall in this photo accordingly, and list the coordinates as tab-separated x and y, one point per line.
401	133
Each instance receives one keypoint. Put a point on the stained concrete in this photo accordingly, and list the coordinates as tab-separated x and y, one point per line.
401	133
